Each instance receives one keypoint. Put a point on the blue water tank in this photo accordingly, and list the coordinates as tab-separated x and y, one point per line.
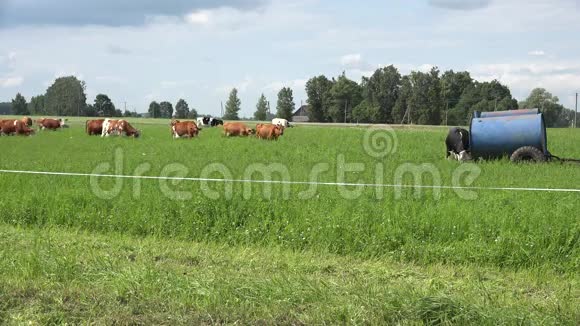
495	134
509	113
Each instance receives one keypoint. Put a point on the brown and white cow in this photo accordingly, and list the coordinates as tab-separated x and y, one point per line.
236	129
94	127
268	131
27	121
51	124
118	127
14	127
183	129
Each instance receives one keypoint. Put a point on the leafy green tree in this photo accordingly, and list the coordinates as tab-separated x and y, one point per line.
19	105
426	101
261	109
402	104
453	84
548	104
166	109
192	114
103	106
233	106
6	108
381	91
36	105
319	99
181	109
90	111
154	110
285	105
481	96
538	98
66	96
345	94
364	112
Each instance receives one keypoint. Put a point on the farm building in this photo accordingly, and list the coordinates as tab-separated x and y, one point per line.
301	115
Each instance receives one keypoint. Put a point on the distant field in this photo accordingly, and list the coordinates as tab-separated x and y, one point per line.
442	237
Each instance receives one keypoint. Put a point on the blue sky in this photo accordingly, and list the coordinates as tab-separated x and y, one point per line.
137	51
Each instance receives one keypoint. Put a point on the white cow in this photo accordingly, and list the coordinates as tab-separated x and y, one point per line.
281	122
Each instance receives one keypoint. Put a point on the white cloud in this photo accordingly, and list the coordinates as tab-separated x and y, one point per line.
241	86
110	79
11	81
11	56
560	79
537	53
201	17
296	84
351	59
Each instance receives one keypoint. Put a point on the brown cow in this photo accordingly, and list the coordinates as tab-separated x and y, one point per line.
94	127
27	121
118	127
236	129
15	127
51	124
183	129
268	131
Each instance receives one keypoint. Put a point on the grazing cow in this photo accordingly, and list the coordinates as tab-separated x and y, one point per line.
118	127
457	143
51	124
14	127
281	122
27	121
208	121
268	131
183	129
216	122
94	127
203	121
236	129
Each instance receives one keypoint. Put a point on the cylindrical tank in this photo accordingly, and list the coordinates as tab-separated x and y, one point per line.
509	113
495	134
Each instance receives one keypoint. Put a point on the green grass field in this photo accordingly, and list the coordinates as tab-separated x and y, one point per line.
108	250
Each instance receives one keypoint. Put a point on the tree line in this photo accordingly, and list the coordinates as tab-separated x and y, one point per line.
428	98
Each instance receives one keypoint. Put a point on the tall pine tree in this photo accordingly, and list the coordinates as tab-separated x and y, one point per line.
19	105
233	106
261	109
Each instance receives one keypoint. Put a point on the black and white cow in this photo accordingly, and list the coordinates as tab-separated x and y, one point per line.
215	122
457	143
208	122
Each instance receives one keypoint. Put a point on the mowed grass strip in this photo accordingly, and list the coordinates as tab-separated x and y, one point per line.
56	276
531	230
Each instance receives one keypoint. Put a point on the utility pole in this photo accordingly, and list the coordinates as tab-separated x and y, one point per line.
446	111
222	106
576	113
345	105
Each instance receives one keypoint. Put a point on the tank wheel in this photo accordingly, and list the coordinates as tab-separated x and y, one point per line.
528	154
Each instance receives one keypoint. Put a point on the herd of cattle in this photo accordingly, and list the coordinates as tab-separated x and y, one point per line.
179	129
22	126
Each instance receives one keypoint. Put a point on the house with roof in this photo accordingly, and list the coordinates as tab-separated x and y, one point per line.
301	114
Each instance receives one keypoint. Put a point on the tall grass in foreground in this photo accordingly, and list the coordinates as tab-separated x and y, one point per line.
51	276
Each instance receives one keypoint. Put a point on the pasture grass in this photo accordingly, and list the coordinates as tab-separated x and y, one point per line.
524	238
56	276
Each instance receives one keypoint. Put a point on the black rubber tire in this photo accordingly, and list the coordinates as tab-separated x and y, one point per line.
528	154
